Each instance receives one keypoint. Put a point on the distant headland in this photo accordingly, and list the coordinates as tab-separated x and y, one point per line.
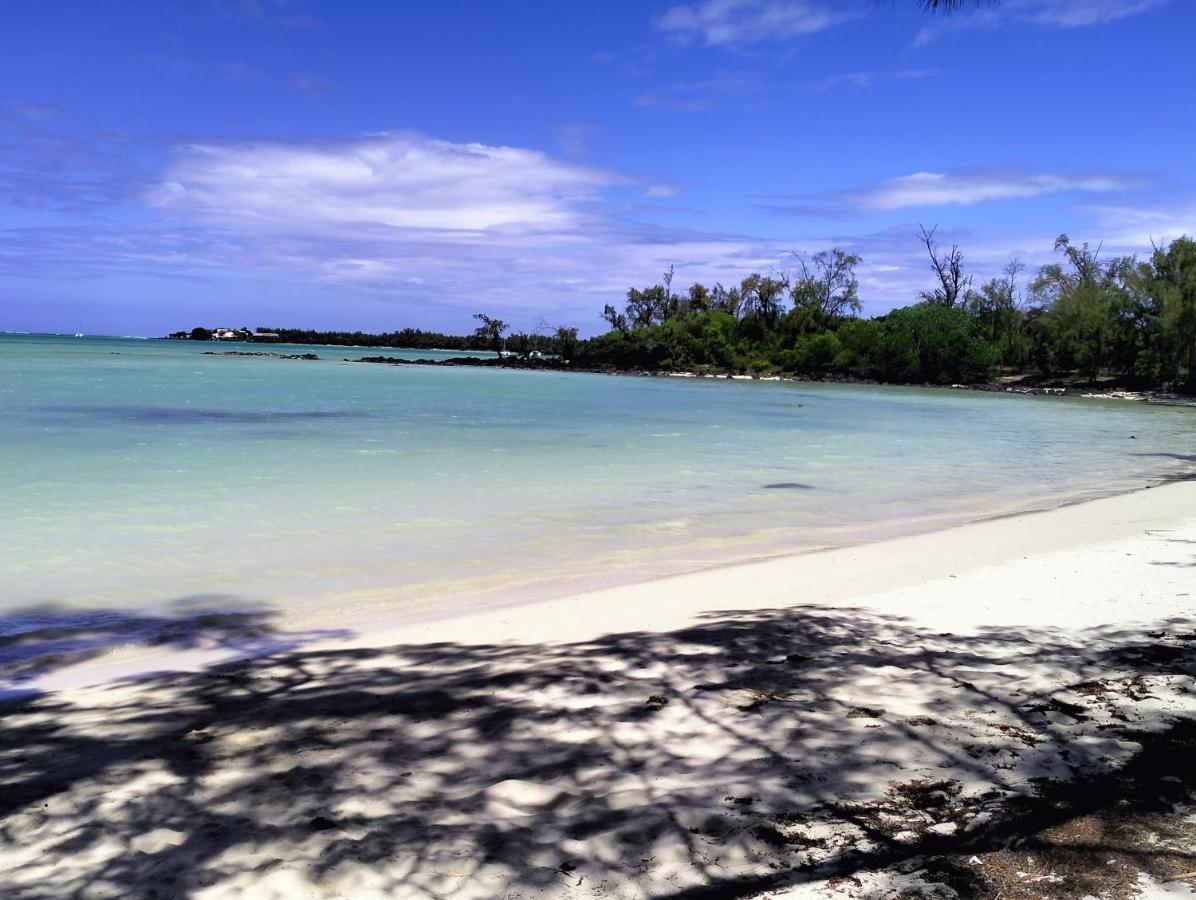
1082	323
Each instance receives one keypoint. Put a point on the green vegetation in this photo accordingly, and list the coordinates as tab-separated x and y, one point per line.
481	339
1080	318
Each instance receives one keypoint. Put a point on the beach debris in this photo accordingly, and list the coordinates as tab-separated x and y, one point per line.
741	801
865	712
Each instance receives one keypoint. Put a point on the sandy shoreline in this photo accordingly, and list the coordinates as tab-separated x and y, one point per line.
555	612
756	728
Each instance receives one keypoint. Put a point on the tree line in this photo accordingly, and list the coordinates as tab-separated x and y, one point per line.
413	338
1080	317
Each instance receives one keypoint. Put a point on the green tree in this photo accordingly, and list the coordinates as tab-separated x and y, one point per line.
490	332
699	299
646	307
1173	284
1081	295
564	342
996	308
615	319
825	285
761	299
932	343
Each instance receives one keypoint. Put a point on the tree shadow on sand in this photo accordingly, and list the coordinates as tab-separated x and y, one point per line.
749	751
43	638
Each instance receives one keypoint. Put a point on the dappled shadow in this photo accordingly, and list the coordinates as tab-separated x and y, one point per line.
38	640
1177	563
750	750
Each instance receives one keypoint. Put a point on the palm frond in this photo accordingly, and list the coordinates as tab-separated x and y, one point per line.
948	5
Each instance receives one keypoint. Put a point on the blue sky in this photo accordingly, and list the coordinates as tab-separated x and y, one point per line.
375	165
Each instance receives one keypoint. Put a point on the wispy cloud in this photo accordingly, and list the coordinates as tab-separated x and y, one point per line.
575	137
306	83
51	162
845	79
661	191
423	223
701	95
406	216
968	186
236	72
1045	13
738	22
1137	226
868	79
284	13
1077	13
397	180
38	112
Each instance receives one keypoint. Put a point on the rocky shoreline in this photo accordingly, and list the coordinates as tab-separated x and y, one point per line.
260	353
1019	387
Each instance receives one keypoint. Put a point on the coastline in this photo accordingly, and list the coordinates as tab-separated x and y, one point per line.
557	609
844	715
847	574
1045	389
420	551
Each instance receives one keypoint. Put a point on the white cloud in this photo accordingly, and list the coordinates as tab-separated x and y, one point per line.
424	224
963	188
732	22
574	137
1045	13
1135	227
662	190
847	79
701	95
1077	13
865	80
420	221
392	181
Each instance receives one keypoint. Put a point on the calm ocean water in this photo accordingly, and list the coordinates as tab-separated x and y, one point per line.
147	476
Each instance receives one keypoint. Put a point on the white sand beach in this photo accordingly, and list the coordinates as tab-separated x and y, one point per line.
880	720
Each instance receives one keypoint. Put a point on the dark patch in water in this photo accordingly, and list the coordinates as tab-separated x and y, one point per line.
156	415
1182	457
788	486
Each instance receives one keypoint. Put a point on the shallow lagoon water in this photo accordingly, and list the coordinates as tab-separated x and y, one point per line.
147	476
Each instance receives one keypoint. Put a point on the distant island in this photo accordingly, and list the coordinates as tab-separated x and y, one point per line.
1119	322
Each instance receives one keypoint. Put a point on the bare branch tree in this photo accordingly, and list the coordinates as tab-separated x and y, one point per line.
670	301
1012	269
953	284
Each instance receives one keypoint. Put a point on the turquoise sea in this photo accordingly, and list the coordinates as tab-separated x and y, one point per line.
145	476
